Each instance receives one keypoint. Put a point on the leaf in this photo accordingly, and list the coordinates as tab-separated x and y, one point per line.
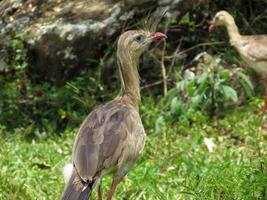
180	86
246	83
245	78
191	88
229	93
203	77
225	74
216	61
170	95
159	124
73	87
204	82
176	106
196	100
185	19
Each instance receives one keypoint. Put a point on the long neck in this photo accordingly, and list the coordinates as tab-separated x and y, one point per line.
233	31
130	84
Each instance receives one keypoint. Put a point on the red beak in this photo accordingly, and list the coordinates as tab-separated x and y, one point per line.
212	27
158	36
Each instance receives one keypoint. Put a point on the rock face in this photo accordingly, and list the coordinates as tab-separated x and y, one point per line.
66	36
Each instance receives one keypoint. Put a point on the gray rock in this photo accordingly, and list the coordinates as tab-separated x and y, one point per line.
65	37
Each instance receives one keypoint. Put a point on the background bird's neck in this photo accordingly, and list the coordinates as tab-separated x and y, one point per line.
233	31
130	82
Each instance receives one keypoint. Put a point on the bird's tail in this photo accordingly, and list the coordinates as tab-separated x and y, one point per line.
76	189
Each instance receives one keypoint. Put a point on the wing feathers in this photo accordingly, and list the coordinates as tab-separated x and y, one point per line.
86	160
110	144
98	143
256	47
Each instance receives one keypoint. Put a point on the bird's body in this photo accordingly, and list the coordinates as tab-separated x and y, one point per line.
116	136
252	48
112	137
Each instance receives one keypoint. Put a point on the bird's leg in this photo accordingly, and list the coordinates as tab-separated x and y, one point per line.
264	108
99	191
112	189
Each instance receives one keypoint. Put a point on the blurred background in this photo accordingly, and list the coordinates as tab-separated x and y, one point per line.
199	106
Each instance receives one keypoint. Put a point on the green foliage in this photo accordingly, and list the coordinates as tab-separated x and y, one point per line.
41	106
209	90
174	165
14	53
45	108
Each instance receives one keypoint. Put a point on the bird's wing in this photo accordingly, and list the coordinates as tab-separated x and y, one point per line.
99	138
256	47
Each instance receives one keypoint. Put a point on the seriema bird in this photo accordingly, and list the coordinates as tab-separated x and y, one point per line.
112	136
252	48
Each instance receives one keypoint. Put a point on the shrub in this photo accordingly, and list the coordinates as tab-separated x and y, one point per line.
207	90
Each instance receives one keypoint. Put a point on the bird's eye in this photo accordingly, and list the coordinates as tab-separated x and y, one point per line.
140	38
218	18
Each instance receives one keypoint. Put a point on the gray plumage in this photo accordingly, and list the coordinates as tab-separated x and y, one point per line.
112	137
109	140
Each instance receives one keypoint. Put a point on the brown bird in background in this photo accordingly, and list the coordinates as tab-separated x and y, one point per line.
112	136
252	48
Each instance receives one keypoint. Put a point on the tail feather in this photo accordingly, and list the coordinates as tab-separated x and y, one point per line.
86	192
76	189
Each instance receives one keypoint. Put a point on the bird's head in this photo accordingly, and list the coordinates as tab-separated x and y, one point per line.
222	18
133	43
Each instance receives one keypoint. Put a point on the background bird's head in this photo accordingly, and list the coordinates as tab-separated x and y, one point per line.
222	18
133	43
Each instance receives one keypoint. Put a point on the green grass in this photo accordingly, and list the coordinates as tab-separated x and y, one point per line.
175	165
